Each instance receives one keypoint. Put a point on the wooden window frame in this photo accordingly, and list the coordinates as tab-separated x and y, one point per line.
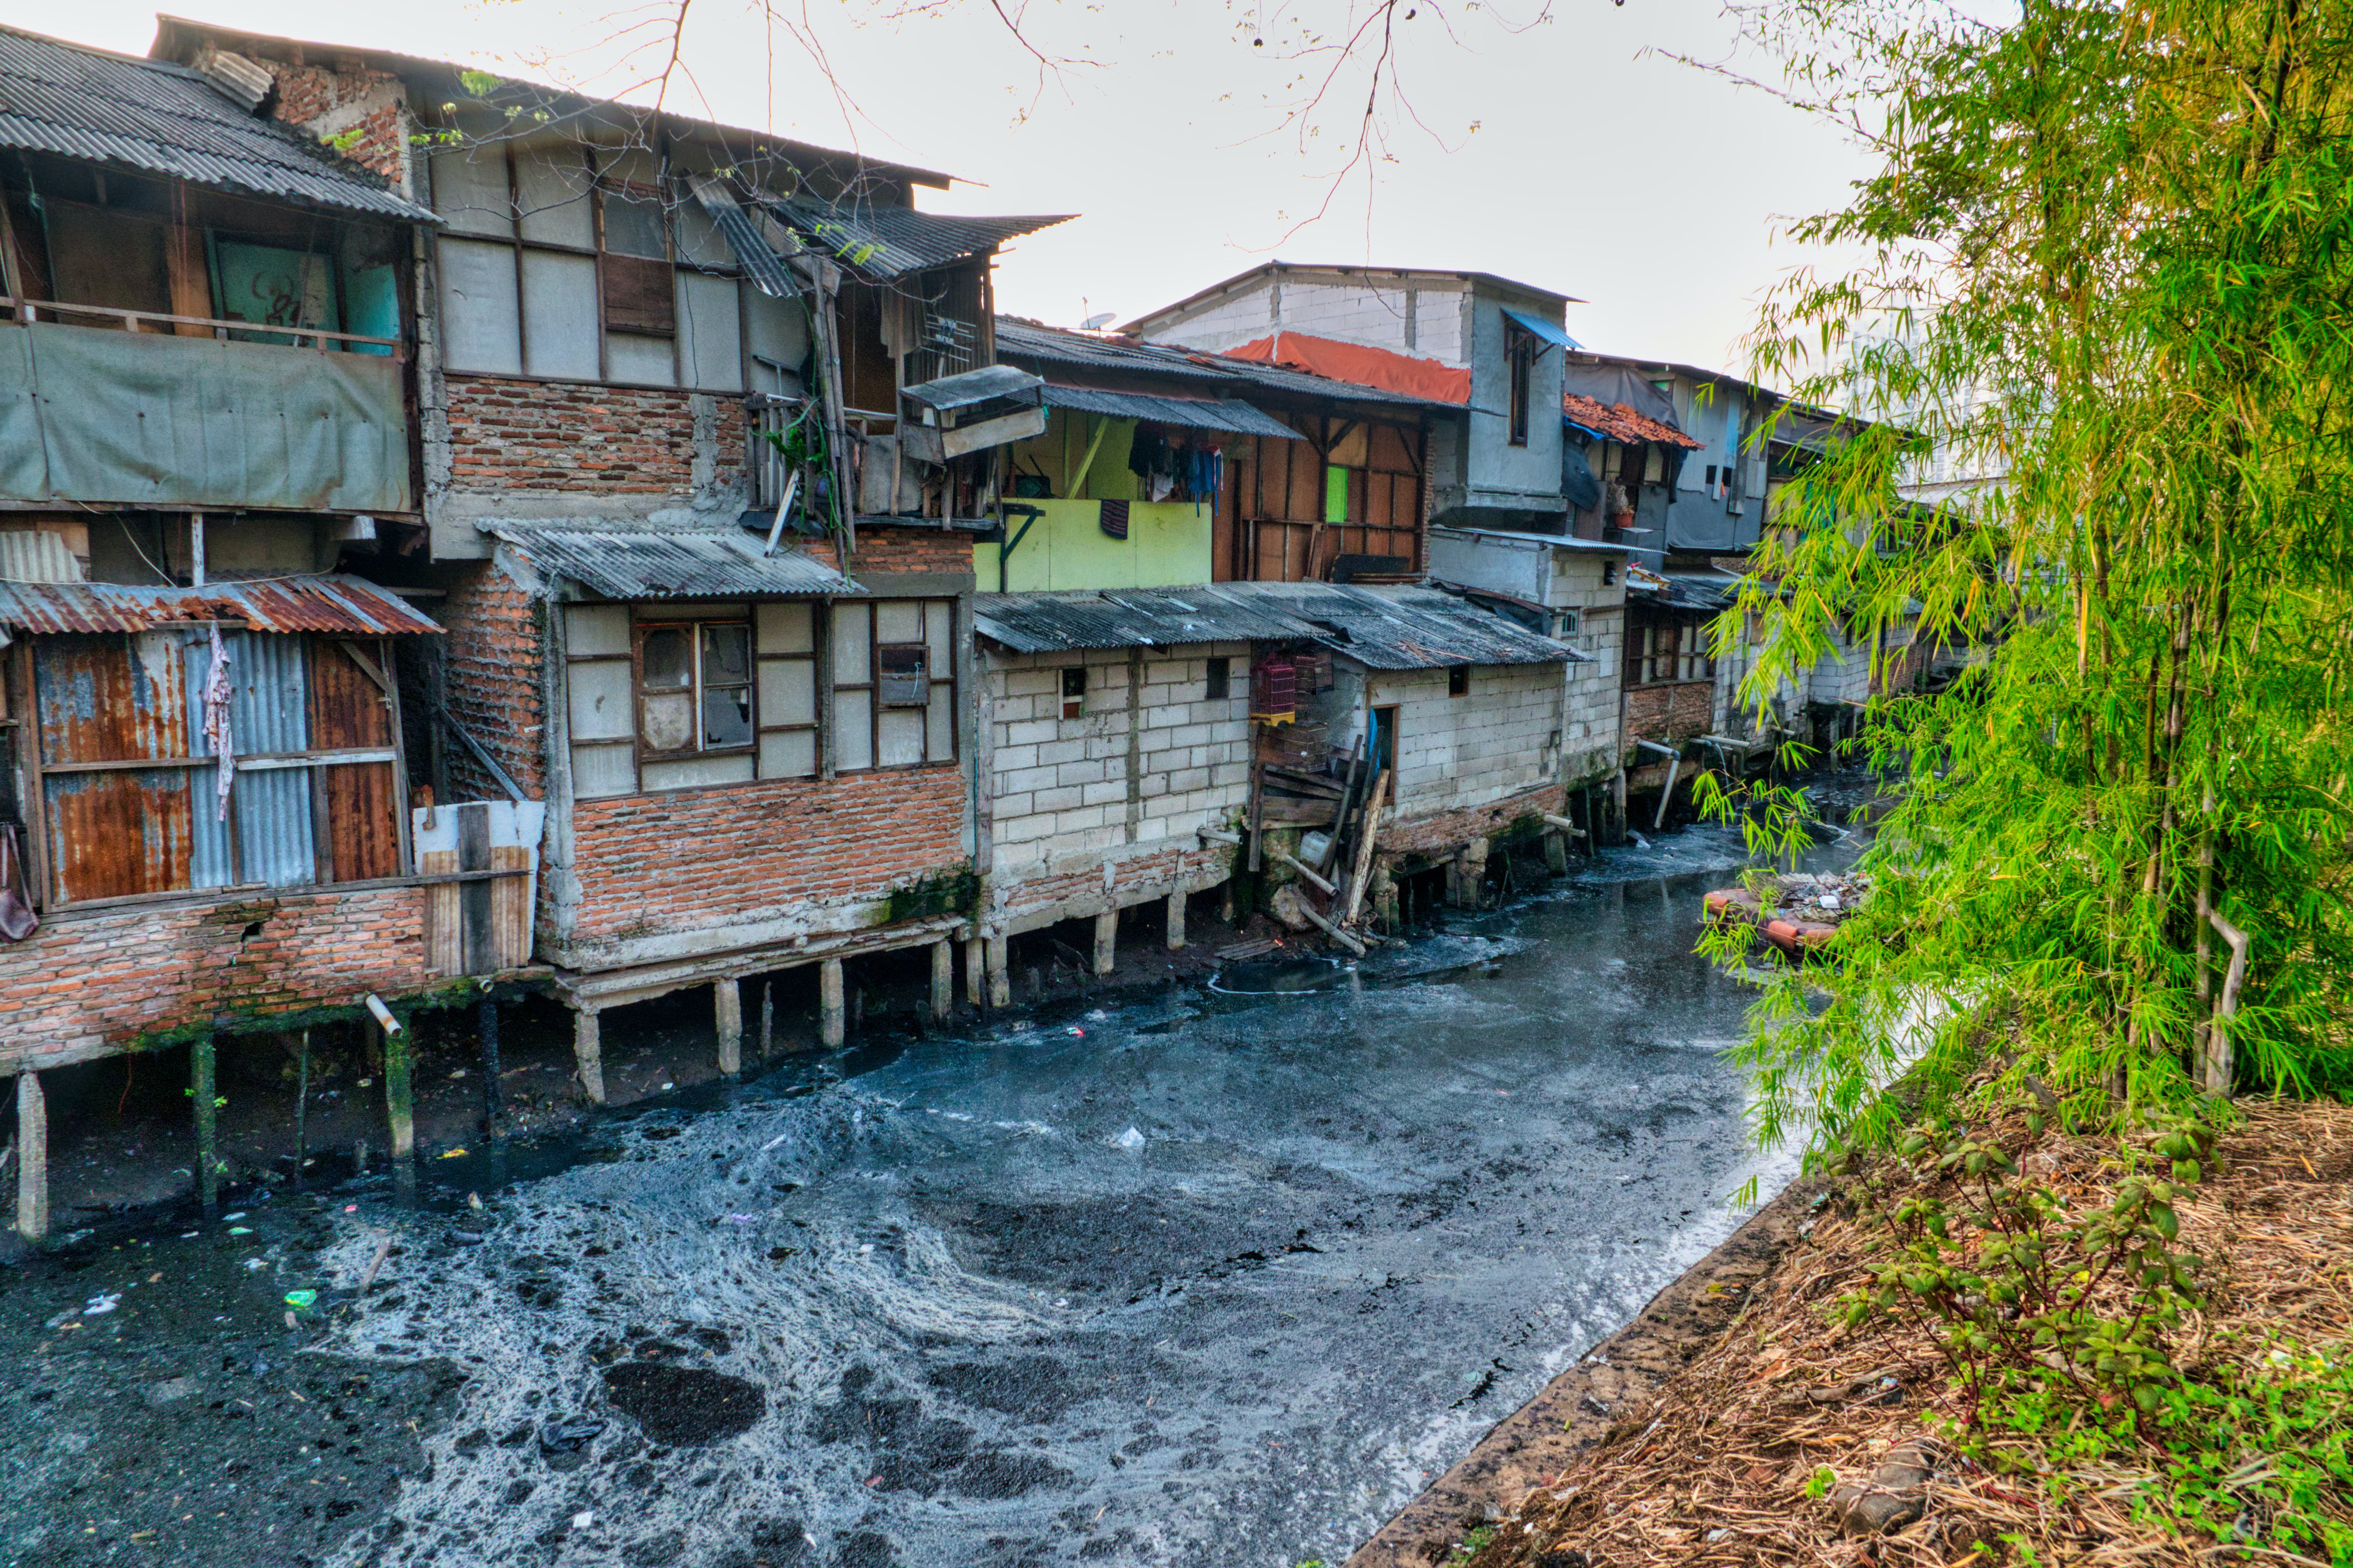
1520	368
693	626
873	687
1218	679
1074	703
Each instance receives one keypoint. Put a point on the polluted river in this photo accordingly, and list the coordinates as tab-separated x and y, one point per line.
1219	1275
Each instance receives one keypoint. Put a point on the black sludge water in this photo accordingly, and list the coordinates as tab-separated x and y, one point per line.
1219	1277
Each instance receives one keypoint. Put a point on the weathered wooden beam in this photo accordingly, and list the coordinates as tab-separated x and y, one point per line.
1371	829
1308	872
1335	933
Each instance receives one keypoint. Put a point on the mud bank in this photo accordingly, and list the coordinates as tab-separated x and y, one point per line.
1530	1448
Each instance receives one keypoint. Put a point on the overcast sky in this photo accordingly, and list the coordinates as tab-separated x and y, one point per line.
1560	154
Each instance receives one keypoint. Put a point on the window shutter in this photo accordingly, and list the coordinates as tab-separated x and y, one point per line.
637	296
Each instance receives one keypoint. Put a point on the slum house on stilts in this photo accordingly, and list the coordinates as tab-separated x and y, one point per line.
207	359
708	458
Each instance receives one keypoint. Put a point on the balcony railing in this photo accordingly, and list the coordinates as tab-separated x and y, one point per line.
30	311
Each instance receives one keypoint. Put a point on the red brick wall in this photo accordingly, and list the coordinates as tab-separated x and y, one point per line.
1675	710
107	976
492	659
651	864
307	93
1442	833
905	550
507	433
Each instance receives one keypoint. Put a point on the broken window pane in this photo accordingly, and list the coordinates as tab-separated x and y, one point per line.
903	674
668	660
727	716
726	655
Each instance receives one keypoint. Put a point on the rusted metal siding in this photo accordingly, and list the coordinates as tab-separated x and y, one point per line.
269	714
113	699
348	713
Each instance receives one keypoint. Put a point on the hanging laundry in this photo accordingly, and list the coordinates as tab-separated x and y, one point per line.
1115	519
218	695
1147	454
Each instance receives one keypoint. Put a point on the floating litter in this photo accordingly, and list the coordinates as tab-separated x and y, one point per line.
255	1265
453	1153
98	1305
239	1215
1075	1031
1131	1139
584	1518
303	1301
240	1230
740	1219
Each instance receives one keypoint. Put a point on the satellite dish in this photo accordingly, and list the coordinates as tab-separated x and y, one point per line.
1096	323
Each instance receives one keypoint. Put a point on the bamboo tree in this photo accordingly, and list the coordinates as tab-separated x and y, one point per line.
2107	258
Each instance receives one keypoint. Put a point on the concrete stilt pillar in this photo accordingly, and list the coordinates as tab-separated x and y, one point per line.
588	1054
1176	918
942	979
486	1027
727	1010
832	1018
1106	940
975	972
200	1091
399	1098
1001	961
1556	851
32	1158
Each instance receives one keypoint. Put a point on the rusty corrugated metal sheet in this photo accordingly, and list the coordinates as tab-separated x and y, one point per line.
348	714
321	603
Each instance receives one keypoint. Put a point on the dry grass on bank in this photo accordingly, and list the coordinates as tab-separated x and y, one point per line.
1714	1469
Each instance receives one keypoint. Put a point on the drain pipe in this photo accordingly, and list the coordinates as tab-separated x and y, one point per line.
1675	765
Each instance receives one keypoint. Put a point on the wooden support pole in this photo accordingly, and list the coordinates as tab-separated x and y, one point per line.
1001	961
1176	918
302	1105
588	1054
767	1018
975	972
32	1158
486	1030
1308	872
1371	831
200	1091
1106	940
1335	933
943	980
727	1014
1666	795
833	1019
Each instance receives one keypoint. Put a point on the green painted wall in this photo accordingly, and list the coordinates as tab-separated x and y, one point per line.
1167	545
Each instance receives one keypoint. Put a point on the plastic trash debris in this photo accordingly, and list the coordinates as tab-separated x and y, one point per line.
1097	1016
366	1083
774	1142
458	1153
868	1247
1131	1139
459	1073
303	1301
255	1265
1075	1032
584	1518
351	1208
239	1215
473	1200
558	1436
99	1305
240	1230
743	1219
1640	841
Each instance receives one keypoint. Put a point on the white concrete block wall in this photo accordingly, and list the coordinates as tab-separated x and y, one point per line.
1373	309
1499	739
1059	788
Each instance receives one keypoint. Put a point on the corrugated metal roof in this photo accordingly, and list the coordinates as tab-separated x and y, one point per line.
969	387
644	564
337	603
1386	628
1130	618
1191	413
1408	628
166	120
884	242
759	261
1021	340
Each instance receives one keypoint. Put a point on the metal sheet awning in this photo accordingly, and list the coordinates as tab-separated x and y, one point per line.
1544	330
1130	618
969	387
312	604
644	564
1190	413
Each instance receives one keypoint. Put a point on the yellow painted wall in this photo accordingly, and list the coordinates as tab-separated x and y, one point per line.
1167	545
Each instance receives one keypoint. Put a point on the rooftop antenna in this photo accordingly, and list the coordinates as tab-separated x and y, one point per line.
1095	322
